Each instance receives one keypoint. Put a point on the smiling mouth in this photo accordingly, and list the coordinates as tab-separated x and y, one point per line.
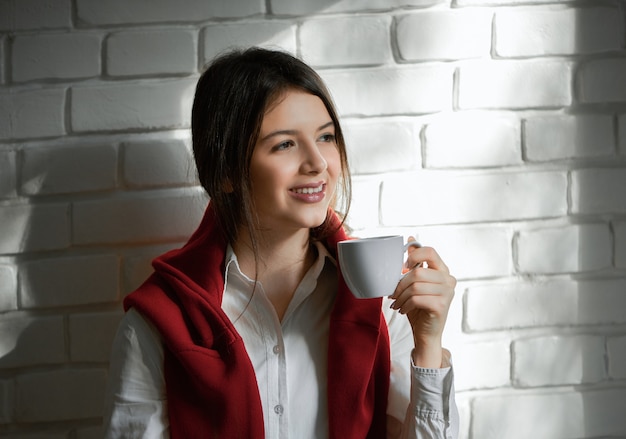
309	190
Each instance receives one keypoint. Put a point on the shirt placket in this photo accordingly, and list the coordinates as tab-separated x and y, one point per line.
276	374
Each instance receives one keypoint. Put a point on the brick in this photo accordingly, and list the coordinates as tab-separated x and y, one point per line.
138	266
444	35
364	206
465	411
558	32
172	216
31	341
58	169
34	228
152	163
90	432
515	84
601	81
304	7
582	357
472	139
573	414
512	196
8	179
619	230
376	147
67	394
35	14
69	281
488	249
91	336
597	191
356	40
8	288
473	360
158	52
270	34
543	304
32	114
616	347
114	12
145	105
568	137
412	90
6	401
565	249
56	56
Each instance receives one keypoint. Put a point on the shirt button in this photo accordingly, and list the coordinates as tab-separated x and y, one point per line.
276	349
278	409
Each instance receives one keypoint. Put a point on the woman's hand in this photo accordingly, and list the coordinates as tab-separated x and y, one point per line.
424	294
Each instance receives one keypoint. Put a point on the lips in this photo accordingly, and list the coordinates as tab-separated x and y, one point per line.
310	192
309	188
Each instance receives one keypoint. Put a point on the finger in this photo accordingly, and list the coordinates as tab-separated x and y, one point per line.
436	304
421	275
428	255
411	248
421	289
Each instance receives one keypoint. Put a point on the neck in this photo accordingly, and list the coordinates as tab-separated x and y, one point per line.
282	261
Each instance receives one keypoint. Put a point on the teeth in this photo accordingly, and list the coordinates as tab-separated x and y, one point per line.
309	190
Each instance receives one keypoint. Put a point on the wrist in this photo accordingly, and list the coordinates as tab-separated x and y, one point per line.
428	355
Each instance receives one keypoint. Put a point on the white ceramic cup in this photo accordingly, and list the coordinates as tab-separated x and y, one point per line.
372	267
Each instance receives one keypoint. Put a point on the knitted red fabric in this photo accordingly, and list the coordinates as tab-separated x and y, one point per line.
210	381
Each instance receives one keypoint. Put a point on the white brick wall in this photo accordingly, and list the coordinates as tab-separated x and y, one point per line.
360	40
515	84
581	359
598	29
569	137
32	114
132	106
55	56
154	52
445	35
62	168
494	130
473	139
565	249
35	14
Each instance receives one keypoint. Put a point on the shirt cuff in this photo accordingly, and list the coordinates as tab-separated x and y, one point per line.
431	388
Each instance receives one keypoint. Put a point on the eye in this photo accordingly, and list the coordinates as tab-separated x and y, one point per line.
327	138
283	145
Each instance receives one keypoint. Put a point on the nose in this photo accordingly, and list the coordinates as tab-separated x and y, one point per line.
313	161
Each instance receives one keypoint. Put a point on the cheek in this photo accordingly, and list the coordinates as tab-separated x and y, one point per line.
333	161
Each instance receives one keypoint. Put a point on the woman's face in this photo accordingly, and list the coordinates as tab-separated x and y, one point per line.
295	163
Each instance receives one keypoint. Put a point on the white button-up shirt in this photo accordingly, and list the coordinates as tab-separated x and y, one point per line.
289	358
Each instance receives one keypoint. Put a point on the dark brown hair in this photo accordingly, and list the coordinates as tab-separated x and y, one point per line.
232	96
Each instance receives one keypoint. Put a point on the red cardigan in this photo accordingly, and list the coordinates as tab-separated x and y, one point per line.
210	381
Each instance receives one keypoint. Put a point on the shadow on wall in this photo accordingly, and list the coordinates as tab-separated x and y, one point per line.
599	191
82	216
571	380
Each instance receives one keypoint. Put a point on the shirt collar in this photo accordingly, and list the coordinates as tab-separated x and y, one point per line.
307	285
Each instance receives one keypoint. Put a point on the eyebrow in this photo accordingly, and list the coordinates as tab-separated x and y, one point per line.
293	132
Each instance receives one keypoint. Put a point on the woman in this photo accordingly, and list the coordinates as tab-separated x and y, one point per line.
248	331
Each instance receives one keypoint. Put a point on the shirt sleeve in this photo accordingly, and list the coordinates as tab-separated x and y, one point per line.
135	403
421	401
